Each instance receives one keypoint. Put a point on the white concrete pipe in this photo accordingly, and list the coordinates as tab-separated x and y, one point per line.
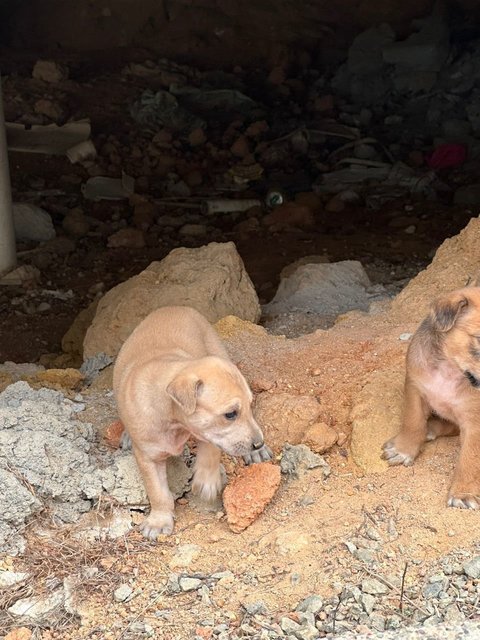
8	258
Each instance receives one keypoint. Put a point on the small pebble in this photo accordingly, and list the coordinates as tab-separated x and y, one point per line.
123	593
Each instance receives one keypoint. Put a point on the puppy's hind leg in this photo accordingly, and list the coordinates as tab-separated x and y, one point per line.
207	479
439	428
406	445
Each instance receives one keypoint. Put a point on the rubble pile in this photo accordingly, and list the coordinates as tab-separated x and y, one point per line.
157	155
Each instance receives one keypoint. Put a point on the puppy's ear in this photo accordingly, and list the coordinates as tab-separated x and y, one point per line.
446	311
184	390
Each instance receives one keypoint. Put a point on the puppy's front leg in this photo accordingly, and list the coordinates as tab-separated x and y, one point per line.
405	446
154	474
207	480
465	490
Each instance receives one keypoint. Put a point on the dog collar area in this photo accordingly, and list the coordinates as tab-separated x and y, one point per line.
475	382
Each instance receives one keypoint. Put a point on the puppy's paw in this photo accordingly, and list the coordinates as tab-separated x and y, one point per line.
464	501
125	441
207	484
259	455
395	457
157	524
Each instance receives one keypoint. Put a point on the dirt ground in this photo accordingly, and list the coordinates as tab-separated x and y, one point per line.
297	547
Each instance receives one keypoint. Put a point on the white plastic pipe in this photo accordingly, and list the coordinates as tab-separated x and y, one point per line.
8	257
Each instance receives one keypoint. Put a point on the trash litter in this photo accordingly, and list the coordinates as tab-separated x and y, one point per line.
181	108
341	179
82	151
103	188
447	156
208	101
156	110
242	174
274	198
50	139
227	206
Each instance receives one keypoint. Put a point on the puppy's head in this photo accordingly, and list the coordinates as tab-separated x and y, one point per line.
456	319
213	401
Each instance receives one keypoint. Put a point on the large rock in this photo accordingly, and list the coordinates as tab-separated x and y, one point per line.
329	289
211	279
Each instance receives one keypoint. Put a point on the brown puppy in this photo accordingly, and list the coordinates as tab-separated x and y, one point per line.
442	391
173	379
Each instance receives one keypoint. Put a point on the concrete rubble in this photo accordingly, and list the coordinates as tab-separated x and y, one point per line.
49	456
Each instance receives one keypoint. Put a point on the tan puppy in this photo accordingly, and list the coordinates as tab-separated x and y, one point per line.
173	379
442	387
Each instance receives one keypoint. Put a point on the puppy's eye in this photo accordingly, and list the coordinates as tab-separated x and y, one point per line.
231	415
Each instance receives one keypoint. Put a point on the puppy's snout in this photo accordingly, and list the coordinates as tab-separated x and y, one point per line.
258	444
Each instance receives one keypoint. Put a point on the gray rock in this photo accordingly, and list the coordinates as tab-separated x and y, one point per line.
307	632
32	223
39	609
173	584
472	568
328	289
425	50
255	608
432	590
377	621
289	626
9	578
311	604
365	555
222	574
93	365
306	619
368	602
374	587
365	57
189	584
299	458
123	593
